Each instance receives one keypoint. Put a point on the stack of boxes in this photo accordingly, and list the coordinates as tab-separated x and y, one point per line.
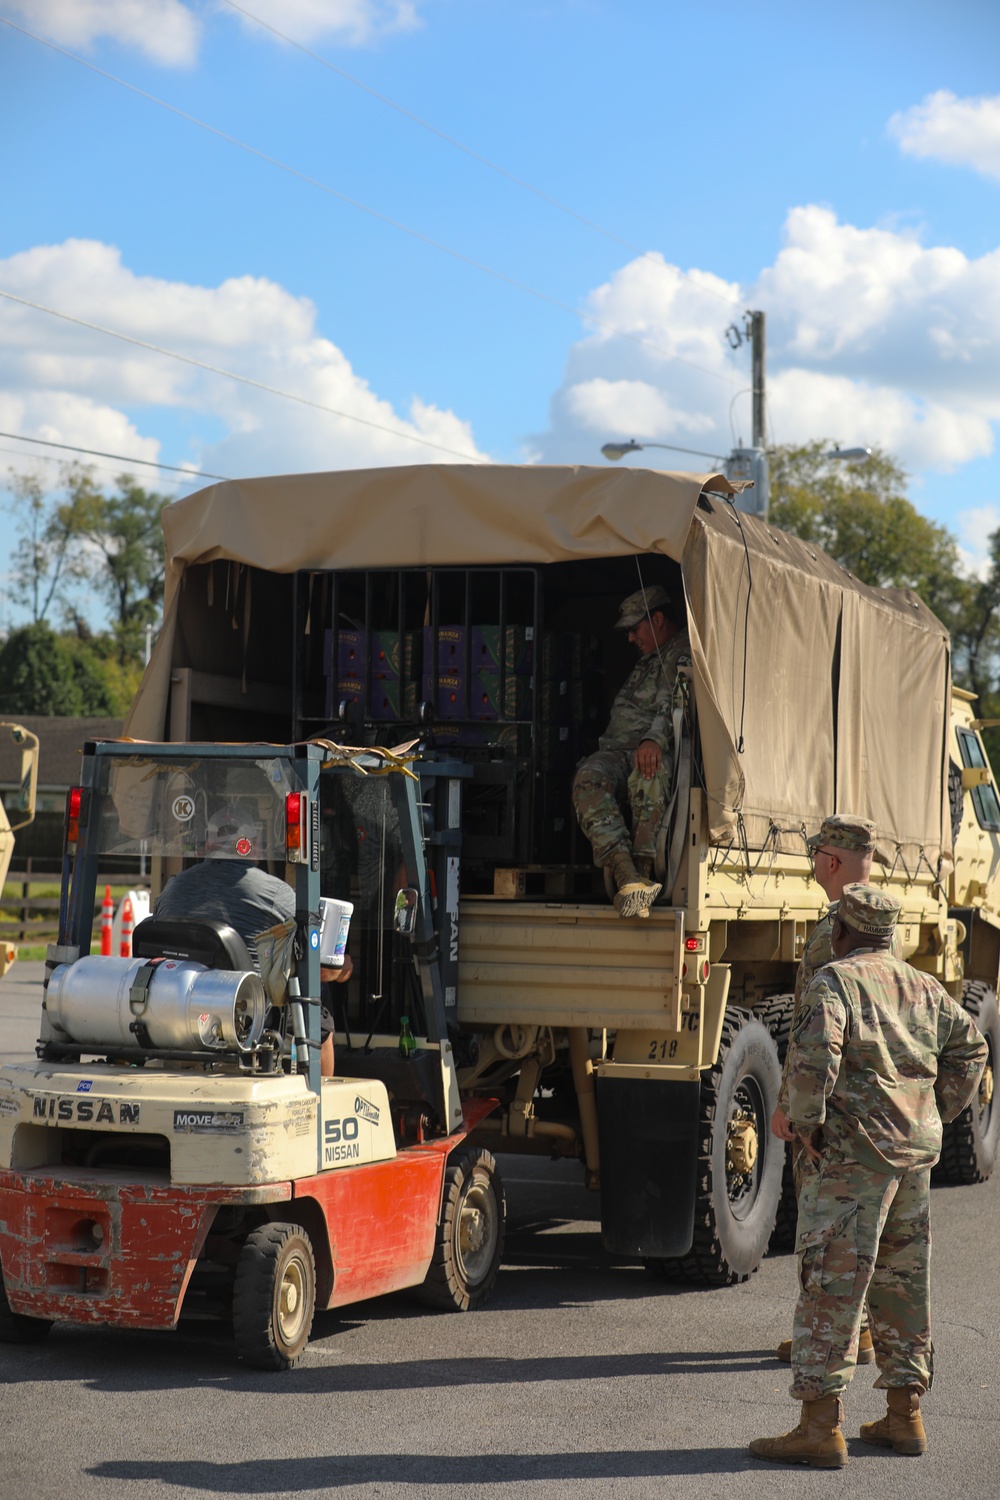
457	670
462	679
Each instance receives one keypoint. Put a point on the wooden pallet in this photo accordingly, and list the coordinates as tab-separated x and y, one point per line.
527	882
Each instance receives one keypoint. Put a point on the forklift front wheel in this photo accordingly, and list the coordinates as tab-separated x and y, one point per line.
470	1233
274	1296
15	1328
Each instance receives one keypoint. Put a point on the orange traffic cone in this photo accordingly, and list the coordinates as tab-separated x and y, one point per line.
127	925
107	919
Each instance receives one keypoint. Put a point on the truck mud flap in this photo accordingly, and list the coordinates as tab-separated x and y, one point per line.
649	1165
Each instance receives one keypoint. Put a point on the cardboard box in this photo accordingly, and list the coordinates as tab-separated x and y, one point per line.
486	699
518	649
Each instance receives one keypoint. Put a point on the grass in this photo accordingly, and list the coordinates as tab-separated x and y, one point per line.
28	951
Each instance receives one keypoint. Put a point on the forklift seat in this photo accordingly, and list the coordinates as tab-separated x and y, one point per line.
214	944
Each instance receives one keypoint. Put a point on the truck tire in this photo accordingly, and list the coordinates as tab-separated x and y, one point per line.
470	1234
274	1296
740	1163
969	1143
777	1017
16	1328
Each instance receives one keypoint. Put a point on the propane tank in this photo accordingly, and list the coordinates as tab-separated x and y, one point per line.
179	1003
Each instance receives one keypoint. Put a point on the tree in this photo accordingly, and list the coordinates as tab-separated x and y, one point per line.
859	513
40	561
41	674
119	550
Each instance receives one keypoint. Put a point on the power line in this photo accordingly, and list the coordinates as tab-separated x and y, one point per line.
477	156
258	385
374	213
97	453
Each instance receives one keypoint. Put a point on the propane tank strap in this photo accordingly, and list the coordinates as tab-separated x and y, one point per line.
138	995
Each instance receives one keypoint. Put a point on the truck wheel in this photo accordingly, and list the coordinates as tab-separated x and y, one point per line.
470	1235
740	1162
274	1296
777	1017
16	1328
969	1144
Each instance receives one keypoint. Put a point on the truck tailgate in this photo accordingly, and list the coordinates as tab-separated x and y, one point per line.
566	964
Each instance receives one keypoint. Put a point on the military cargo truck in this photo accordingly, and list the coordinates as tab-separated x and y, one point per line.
23	804
470	608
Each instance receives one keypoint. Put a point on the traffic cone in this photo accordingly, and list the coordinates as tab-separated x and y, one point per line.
107	919
127	925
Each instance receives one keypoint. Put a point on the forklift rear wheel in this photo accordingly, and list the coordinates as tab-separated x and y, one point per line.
274	1296
15	1328
470	1235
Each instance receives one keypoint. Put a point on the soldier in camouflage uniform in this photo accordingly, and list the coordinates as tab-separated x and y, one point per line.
880	1056
634	761
842	852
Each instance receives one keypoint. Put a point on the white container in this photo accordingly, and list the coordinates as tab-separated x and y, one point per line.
335	922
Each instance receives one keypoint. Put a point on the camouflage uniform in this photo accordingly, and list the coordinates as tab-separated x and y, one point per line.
605	782
880	1055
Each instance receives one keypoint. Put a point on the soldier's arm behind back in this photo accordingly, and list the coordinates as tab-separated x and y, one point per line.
962	1056
814	1051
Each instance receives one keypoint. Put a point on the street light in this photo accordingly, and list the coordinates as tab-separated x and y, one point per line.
849	455
615	451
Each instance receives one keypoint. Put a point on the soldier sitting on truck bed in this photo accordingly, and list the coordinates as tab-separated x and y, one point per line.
229	887
638	738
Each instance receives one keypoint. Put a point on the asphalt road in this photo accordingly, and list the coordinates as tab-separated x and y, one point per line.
581	1376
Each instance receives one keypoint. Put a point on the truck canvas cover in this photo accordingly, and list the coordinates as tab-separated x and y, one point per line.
814	692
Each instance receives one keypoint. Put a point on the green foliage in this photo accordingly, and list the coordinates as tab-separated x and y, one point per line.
84	544
44	673
859	513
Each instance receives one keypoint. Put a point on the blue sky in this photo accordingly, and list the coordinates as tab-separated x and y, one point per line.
837	166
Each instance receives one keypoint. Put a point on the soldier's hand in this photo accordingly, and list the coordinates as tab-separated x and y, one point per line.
811	1141
780	1125
338	976
648	759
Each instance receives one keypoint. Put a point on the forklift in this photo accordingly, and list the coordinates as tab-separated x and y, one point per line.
174	1148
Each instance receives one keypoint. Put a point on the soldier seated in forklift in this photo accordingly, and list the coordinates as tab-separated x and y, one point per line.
635	759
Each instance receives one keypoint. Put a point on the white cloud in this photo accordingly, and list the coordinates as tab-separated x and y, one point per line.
613	405
356	22
806	404
72	385
166	31
964	132
872	338
975	526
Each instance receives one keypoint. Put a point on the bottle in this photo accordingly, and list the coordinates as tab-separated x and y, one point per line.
407	1045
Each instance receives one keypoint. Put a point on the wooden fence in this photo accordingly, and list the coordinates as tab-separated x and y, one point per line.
36	917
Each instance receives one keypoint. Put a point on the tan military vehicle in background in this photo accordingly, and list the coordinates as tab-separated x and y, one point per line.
469	608
24	808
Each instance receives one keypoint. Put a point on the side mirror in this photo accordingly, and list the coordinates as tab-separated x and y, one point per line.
404	915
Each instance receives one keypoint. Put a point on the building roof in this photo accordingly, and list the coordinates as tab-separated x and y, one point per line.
60	741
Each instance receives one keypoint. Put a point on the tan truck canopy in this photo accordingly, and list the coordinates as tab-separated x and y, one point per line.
814	692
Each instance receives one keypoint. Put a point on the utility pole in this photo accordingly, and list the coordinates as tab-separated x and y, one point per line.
757	322
751	463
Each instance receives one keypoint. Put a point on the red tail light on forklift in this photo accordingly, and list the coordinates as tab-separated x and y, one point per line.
295	828
74	802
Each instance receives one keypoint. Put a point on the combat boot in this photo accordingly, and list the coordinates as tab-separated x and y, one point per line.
817	1441
634	896
902	1427
866	1349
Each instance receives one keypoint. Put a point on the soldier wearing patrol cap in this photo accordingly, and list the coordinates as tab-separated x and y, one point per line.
634	761
880	1055
842	853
